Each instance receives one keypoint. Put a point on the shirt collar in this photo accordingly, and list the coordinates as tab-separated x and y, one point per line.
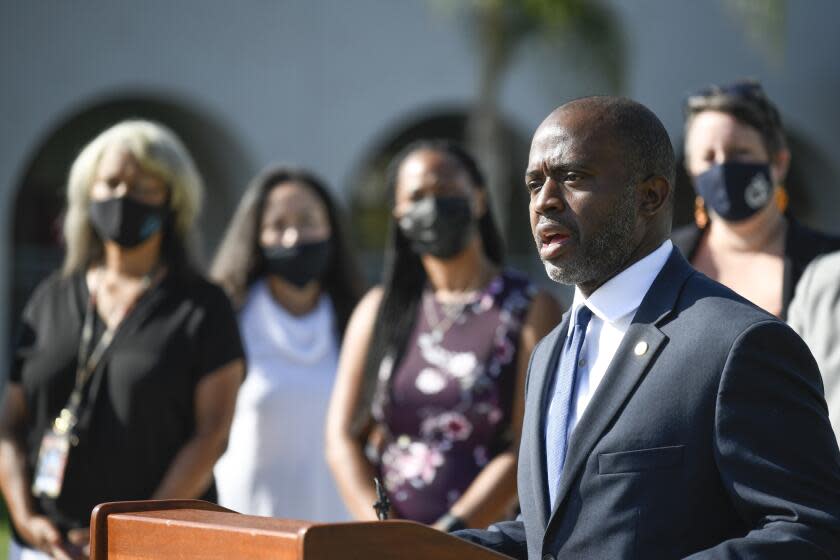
623	293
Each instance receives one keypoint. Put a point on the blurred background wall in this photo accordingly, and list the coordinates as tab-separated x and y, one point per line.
340	86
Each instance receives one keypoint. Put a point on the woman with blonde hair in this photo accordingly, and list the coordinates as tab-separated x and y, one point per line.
127	362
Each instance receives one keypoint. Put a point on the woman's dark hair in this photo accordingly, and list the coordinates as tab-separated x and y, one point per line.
404	277
239	262
746	101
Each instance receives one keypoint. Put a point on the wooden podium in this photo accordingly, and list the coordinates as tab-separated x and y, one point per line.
193	529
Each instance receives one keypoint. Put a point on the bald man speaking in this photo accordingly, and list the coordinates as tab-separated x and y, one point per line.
666	416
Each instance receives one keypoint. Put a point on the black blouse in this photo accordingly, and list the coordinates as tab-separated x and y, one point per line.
802	245
143	391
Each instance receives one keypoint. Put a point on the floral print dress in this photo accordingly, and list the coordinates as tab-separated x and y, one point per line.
447	407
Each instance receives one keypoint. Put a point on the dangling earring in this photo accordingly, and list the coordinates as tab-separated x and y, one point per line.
781	198
701	217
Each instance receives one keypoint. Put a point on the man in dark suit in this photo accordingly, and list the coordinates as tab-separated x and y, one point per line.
666	417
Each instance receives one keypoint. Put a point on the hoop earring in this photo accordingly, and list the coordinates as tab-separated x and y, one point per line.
701	217
781	198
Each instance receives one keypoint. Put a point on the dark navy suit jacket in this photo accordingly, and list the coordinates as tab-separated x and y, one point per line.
712	443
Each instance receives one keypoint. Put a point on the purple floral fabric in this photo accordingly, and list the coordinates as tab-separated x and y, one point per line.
447	406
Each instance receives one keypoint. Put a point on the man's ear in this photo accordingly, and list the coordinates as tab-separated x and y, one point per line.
653	194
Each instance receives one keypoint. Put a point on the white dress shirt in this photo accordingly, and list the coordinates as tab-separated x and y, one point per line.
613	307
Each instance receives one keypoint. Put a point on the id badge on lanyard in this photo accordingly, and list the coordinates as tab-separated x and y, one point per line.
61	437
57	442
52	462
52	456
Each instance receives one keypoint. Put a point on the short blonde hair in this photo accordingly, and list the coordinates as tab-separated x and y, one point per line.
158	151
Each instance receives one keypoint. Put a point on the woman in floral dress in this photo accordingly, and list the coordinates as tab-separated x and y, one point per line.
430	385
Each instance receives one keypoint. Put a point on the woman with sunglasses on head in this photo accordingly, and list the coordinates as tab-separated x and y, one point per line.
127	362
429	395
737	158
287	264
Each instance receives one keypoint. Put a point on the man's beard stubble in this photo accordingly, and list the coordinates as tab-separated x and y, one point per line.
604	253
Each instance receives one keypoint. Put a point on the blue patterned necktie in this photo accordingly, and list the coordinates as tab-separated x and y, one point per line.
560	407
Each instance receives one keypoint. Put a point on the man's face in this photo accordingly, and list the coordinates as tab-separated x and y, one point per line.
583	205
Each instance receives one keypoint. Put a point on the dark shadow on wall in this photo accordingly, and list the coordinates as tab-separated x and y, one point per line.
40	197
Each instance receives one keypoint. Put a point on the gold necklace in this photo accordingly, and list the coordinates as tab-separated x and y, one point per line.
452	312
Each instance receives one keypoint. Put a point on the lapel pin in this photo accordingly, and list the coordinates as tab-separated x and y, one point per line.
640	348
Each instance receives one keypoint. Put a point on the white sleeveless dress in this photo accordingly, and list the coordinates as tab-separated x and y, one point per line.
274	464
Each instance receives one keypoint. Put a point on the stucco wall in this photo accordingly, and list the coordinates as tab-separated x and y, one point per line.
319	82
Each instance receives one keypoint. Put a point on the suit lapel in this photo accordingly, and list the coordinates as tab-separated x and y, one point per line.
620	380
635	355
542	370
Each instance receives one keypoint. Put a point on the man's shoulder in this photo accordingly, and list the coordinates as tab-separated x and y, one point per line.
718	306
711	323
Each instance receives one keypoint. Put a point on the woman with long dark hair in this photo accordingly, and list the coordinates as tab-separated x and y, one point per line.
287	265
430	387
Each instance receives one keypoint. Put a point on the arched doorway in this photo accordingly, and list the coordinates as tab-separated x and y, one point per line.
40	197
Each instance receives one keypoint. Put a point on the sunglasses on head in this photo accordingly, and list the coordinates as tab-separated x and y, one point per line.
743	89
747	91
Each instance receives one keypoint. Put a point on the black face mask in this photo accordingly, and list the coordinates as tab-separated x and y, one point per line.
439	226
126	221
300	264
735	191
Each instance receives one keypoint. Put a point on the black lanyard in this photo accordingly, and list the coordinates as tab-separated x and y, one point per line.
87	360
